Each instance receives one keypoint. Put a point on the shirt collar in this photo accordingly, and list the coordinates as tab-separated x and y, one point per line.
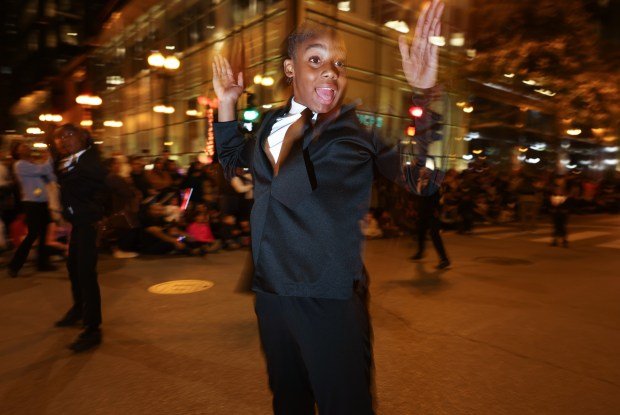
77	155
297	108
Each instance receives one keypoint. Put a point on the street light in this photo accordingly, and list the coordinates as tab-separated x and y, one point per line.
50	117
157	60
90	100
164	66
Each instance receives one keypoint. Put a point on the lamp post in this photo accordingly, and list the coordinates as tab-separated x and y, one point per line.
164	66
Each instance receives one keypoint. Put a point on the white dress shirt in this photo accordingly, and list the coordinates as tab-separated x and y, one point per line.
276	137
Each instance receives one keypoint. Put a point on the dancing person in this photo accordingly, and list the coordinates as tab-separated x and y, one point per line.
313	165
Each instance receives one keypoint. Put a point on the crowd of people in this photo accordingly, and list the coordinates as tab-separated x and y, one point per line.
152	207
484	194
155	207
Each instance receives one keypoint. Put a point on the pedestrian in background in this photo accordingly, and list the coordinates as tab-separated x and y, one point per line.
428	220
81	176
33	177
559	208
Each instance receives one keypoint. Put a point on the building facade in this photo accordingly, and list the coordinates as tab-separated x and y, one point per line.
250	33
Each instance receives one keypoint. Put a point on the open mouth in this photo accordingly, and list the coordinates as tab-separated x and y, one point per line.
326	94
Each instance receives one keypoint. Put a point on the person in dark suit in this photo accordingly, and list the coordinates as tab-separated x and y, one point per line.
313	166
81	177
428	219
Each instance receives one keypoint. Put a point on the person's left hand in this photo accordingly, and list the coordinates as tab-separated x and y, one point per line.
420	60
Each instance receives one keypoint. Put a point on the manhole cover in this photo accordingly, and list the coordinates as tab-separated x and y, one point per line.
180	287
498	260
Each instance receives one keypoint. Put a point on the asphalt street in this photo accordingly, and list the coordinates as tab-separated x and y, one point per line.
513	327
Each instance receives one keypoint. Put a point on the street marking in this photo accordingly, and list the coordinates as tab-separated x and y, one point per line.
501	235
574	236
612	244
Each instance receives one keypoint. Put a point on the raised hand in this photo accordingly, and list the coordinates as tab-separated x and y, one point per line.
420	60
226	88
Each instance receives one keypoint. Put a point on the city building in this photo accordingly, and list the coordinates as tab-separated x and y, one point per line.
141	71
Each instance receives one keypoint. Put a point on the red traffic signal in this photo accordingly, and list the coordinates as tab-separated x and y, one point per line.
416	111
410	131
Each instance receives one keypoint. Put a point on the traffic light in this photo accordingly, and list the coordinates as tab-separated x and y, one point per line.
410	131
250	114
415	111
437	129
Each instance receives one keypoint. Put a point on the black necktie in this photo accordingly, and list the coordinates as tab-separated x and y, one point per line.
294	176
292	137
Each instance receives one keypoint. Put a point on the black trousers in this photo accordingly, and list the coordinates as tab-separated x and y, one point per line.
82	267
431	224
318	351
37	219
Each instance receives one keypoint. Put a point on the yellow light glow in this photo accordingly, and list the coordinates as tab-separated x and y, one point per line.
92	100
573	131
398	25
50	117
437	40
172	63
267	81
163	109
258	79
86	123
523	149
468	109
477	151
457	39
156	59
113	123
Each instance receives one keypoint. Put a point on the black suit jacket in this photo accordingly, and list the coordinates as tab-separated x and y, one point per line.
306	239
81	188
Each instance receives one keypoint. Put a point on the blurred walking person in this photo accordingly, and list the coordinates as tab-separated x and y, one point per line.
559	209
428	219
33	177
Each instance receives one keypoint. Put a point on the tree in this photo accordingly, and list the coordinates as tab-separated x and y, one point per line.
557	45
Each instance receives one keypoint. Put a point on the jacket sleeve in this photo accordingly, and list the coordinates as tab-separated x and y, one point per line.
403	163
233	148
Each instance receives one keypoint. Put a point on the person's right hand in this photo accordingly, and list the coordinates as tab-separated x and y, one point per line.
226	89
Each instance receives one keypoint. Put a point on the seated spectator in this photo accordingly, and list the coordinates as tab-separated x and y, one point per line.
200	231
155	239
244	236
57	238
194	179
230	232
370	226
159	178
172	209
123	201
388	226
138	177
18	229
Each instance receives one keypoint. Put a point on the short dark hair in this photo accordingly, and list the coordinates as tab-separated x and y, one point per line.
307	30
88	139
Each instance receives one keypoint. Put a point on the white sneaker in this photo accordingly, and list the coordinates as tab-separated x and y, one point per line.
124	254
